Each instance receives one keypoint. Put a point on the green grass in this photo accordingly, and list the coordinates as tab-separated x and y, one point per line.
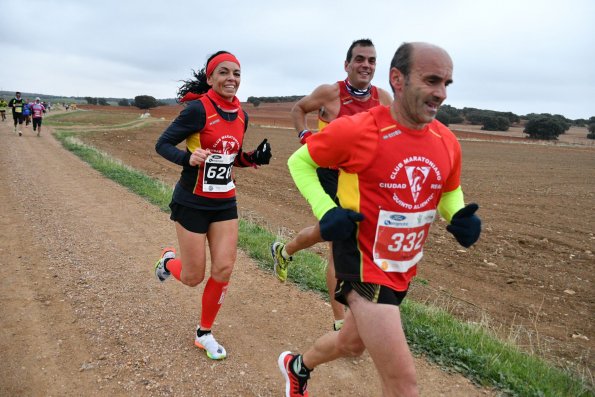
431	332
86	117
476	353
88	122
306	270
154	191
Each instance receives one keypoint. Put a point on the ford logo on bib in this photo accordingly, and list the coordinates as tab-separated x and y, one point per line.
397	217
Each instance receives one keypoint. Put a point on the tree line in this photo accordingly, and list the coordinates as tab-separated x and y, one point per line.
140	101
537	126
257	100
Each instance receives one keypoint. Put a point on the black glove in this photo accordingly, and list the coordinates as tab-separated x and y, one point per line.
262	154
465	225
338	223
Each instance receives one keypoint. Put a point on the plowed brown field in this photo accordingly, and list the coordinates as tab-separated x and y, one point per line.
530	276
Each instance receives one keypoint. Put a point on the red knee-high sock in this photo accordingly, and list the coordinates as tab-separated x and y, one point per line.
174	266
212	298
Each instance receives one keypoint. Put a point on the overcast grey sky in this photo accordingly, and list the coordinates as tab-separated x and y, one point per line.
522	56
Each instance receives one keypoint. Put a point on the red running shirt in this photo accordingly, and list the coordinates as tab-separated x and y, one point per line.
224	139
349	105
395	177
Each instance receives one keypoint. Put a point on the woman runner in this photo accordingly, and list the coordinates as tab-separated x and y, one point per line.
203	205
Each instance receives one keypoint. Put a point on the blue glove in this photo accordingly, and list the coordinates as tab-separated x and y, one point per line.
465	225
338	223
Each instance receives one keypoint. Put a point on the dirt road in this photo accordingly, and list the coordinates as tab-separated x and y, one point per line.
82	314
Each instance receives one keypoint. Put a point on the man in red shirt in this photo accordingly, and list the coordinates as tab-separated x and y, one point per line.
346	97
399	169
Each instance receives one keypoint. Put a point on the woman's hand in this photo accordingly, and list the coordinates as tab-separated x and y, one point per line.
199	156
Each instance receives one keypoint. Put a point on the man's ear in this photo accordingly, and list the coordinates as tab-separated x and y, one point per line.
396	79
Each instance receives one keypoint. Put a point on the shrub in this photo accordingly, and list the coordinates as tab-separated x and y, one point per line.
145	102
591	134
543	128
579	122
450	114
443	117
254	101
497	123
475	117
480	116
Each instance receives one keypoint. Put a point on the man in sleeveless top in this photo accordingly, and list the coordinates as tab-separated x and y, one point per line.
346	97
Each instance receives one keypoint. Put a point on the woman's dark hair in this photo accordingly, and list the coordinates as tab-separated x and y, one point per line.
198	83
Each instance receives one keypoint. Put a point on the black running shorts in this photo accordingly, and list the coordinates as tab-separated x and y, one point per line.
373	292
198	221
18	118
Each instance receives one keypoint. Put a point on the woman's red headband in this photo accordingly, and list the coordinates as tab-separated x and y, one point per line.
218	59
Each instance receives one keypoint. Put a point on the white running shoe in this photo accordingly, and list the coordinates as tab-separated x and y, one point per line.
208	343
160	272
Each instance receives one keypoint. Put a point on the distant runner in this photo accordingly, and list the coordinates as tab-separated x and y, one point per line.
17	104
3	106
38	110
27	112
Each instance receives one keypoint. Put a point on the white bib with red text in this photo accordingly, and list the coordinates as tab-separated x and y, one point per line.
400	238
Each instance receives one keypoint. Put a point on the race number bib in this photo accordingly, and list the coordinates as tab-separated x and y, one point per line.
400	238
217	173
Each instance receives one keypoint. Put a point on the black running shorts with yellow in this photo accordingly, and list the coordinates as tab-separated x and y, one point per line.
372	292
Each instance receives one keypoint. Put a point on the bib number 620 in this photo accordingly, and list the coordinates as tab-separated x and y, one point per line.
219	172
